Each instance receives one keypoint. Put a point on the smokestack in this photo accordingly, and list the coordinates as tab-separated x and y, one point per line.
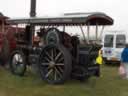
32	27
33	8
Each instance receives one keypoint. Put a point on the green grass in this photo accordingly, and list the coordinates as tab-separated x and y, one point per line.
109	84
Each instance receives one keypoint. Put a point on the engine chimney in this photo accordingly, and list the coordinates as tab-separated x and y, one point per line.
33	8
32	27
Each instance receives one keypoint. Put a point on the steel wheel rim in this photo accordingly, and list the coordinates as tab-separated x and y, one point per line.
52	64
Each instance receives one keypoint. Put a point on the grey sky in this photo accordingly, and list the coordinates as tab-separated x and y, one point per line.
117	9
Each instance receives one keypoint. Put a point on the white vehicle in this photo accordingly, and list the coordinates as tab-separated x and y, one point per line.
113	45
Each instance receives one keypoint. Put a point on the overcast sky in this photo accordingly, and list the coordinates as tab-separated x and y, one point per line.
117	9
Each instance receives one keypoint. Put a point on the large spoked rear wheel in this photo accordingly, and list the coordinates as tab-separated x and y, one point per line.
55	64
18	63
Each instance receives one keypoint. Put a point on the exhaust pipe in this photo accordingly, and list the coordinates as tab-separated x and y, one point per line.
32	27
33	8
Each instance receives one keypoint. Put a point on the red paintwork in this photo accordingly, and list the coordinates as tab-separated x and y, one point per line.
9	33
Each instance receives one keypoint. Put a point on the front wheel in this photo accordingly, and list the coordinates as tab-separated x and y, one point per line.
18	63
55	64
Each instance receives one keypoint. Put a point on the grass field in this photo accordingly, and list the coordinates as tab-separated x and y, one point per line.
109	84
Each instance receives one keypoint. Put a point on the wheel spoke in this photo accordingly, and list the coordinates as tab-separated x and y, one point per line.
55	75
47	59
59	64
45	64
60	69
61	59
48	55
57	71
52	54
59	54
49	72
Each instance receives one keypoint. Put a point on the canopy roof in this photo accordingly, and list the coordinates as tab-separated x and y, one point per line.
94	18
2	16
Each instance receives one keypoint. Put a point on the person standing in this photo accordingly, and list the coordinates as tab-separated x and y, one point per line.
124	60
99	61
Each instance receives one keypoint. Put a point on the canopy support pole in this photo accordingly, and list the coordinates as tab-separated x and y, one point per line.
63	28
88	31
101	31
96	31
3	26
83	34
16	28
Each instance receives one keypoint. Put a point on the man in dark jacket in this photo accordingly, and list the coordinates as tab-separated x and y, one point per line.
124	59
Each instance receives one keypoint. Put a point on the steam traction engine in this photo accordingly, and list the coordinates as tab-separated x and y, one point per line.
58	55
